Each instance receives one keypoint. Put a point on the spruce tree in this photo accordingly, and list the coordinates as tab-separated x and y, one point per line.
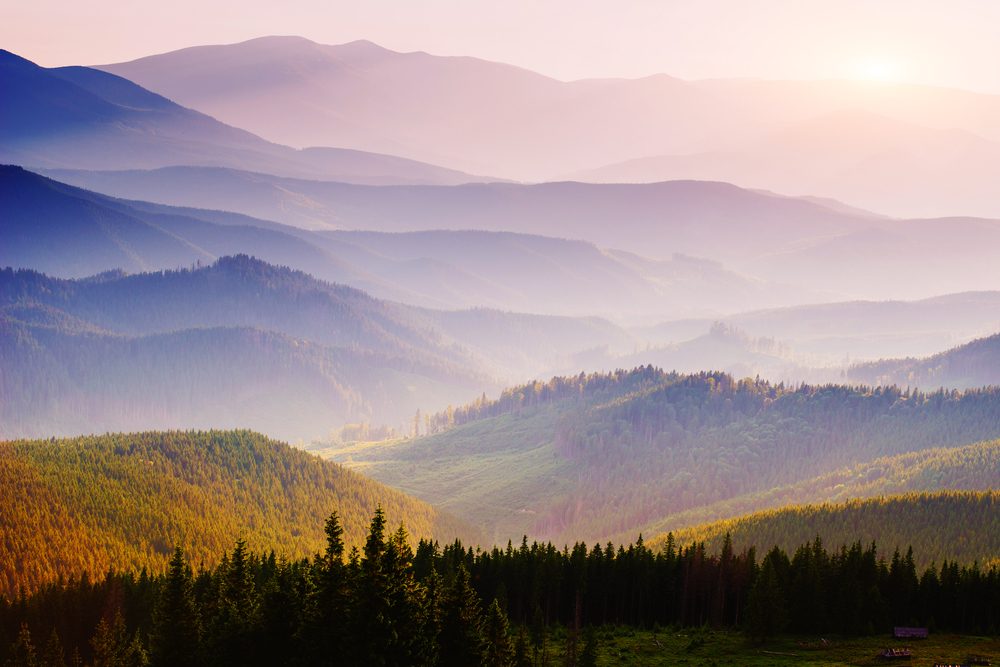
327	613
462	639
113	648
372	629
430	618
176	636
521	653
53	654
23	651
766	614
499	648
588	656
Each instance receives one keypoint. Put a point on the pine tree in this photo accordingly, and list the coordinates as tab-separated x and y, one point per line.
327	616
238	617
176	636
404	606
430	619
521	656
766	606
53	654
23	652
499	648
371	622
462	640
588	656
113	648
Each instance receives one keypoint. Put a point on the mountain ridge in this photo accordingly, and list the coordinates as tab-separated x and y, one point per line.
79	117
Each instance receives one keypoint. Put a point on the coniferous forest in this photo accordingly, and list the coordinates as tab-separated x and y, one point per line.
387	604
520	334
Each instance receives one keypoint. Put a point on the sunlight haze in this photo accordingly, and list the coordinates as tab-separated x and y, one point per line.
951	45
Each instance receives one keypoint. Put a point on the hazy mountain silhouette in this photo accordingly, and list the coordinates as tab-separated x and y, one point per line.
698	218
859	157
854	330
354	356
975	364
86	233
832	250
83	118
488	117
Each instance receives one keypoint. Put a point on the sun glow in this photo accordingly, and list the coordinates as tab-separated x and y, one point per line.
877	69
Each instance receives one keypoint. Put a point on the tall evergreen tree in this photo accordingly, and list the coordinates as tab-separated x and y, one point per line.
462	639
23	653
499	648
371	624
176	637
588	655
113	648
53	654
766	615
327	615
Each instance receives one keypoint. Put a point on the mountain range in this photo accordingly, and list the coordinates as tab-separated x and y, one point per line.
776	239
889	147
83	118
442	269
167	269
975	364
600	456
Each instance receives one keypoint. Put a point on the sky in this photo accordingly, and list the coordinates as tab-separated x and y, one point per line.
950	44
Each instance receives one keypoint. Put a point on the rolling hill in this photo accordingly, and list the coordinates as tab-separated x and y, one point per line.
241	342
856	329
591	456
83	118
799	245
974	467
953	526
238	342
702	219
888	147
975	364
70	232
123	501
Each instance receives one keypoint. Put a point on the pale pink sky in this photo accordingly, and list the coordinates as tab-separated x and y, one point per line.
951	43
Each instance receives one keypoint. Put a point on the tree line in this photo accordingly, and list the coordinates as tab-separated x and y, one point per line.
388	604
119	501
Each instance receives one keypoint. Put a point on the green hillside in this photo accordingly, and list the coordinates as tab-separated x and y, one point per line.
975	364
124	501
958	526
601	456
970	468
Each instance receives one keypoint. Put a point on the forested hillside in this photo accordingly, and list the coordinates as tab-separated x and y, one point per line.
949	525
975	364
124	501
593	456
60	383
973	467
239	343
393	605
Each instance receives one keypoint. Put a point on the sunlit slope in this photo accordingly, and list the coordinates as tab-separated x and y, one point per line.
959	526
604	455
123	501
973	467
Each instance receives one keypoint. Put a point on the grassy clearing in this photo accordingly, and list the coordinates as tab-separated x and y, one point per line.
628	646
501	473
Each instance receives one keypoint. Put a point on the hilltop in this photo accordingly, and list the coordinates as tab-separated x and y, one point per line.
123	501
